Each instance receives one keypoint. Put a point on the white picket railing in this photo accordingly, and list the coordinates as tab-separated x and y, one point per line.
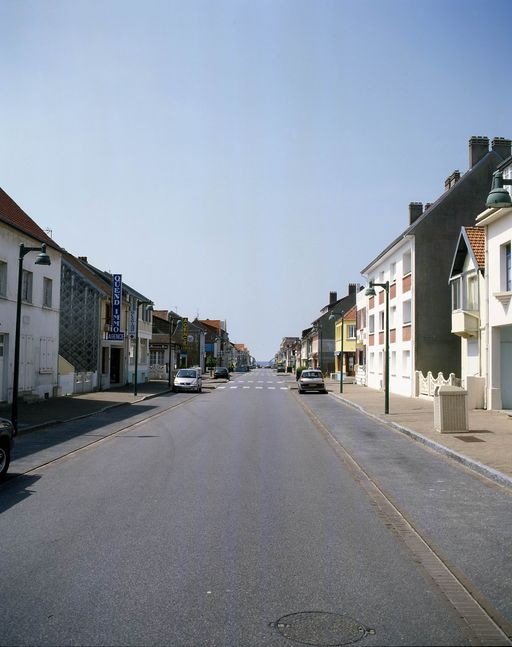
425	386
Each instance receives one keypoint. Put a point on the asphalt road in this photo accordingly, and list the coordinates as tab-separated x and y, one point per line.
207	524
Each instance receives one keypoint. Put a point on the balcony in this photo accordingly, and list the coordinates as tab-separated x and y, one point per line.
465	323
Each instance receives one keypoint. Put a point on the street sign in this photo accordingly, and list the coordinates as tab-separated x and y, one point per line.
185	332
132	321
117	294
115	336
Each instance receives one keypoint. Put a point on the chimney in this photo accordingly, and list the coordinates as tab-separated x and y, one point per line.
451	180
502	146
333	297
478	148
83	259
427	206
352	287
415	211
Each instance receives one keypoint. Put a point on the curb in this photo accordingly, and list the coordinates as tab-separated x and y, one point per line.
479	468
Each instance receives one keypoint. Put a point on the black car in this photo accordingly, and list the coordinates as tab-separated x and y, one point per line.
7	434
221	371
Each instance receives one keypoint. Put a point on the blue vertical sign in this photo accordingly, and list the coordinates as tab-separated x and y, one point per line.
117	295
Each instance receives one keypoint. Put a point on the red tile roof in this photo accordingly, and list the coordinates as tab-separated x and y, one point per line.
476	237
13	215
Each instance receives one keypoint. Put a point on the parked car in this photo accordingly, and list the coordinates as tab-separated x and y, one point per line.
188	379
222	372
7	434
311	380
281	369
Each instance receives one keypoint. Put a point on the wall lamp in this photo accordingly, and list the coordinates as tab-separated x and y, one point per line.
498	196
370	292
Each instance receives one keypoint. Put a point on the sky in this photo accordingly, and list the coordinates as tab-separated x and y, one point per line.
240	159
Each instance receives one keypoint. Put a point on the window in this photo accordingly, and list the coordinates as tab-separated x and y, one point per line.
371	326
26	286
472	292
393	363
372	362
392	317
392	276
406	363
457	294
406	263
361	318
47	293
156	358
351	331
407	312
3	279
143	351
507	273
381	320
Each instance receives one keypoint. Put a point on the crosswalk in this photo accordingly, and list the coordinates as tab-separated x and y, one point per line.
256	388
262	380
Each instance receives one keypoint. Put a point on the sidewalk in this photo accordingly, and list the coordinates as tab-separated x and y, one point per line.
42	413
486	448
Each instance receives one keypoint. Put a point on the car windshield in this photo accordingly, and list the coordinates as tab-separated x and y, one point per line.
311	374
183	372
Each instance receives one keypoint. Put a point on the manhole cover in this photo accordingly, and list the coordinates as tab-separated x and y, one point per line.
321	628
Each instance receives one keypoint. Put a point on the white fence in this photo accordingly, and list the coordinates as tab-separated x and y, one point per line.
425	386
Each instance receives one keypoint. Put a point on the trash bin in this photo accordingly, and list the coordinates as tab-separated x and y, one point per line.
450	409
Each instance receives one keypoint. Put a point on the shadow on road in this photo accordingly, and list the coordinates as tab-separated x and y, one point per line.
14	490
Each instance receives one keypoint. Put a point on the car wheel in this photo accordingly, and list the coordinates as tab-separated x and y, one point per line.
301	391
5	459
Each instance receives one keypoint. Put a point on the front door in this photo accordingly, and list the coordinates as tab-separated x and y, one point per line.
506	367
115	365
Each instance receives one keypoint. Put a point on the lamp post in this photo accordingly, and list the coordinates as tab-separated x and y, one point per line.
370	292
173	327
318	328
42	259
332	316
499	197
149	308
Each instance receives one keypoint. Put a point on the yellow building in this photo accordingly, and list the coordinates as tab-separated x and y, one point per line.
347	345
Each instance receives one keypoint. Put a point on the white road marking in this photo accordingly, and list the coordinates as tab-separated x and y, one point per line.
259	387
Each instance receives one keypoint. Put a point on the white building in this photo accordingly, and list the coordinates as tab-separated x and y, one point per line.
467	281
40	304
396	267
497	315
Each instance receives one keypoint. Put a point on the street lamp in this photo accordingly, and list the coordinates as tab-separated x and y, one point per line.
499	197
370	292
317	327
333	315
174	324
149	308
42	259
